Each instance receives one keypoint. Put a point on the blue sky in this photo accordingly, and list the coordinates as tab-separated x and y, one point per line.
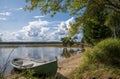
19	25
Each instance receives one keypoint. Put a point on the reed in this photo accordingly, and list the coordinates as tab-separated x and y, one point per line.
4	67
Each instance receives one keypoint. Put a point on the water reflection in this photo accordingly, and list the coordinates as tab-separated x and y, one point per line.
35	53
68	52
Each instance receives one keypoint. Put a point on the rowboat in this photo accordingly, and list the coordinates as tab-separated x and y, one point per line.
40	67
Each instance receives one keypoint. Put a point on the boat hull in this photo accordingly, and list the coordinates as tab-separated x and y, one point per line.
47	69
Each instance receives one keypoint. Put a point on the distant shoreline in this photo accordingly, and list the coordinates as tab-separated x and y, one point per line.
33	44
30	42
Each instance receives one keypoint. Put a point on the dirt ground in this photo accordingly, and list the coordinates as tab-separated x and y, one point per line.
69	65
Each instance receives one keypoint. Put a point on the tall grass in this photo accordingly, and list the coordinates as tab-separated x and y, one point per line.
30	74
107	52
102	61
4	67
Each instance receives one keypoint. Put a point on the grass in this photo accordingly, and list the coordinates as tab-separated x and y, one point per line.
101	62
107	52
91	71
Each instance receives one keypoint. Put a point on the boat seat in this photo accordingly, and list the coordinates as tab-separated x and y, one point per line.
40	61
28	65
18	63
21	64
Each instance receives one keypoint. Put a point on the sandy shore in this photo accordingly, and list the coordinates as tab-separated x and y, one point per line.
70	65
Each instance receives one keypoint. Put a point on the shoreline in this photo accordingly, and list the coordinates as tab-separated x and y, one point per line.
69	65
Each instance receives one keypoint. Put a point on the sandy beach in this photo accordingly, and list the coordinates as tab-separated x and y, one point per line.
70	65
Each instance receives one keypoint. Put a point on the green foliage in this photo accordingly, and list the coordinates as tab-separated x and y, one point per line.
92	21
67	41
91	71
95	33
67	52
71	6
113	22
93	24
54	6
103	61
106	52
29	74
88	57
2	71
73	30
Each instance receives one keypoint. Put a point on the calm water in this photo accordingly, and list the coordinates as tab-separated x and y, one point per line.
34	52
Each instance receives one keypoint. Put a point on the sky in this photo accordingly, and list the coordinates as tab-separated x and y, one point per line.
19	25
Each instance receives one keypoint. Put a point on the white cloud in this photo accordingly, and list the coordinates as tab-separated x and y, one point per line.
36	28
40	30
61	31
38	17
20	8
5	13
6	36
15	9
38	23
69	21
78	37
3	19
1	34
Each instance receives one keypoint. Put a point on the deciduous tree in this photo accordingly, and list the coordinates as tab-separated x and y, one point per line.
97	21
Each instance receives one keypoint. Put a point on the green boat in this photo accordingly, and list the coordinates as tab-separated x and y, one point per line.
40	67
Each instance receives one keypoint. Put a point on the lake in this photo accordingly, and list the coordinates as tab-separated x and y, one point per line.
6	54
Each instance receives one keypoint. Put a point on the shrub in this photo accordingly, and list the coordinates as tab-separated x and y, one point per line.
107	52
